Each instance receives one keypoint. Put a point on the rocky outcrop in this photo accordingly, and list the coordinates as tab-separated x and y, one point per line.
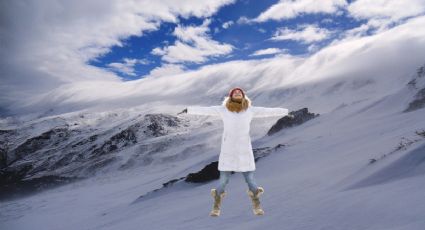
3	157
418	102
46	140
300	116
417	84
26	187
5	139
125	138
209	172
158	123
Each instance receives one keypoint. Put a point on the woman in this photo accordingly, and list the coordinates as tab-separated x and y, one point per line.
236	151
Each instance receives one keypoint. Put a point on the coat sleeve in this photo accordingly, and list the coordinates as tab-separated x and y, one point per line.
204	110
269	112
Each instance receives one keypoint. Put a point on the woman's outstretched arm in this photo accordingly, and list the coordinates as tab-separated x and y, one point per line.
269	112
204	110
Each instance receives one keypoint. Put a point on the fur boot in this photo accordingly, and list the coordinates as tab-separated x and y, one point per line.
256	200
217	202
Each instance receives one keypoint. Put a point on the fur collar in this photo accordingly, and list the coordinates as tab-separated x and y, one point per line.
236	107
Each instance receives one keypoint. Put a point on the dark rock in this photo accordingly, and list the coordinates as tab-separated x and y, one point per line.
418	102
10	176
265	151
6	138
419	99
85	141
157	123
24	187
3	157
371	161
208	173
126	137
34	144
65	160
5	131
300	116
421	133
170	182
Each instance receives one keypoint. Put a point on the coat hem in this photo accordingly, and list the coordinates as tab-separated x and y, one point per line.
236	170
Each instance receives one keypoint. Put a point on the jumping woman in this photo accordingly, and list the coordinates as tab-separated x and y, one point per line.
236	151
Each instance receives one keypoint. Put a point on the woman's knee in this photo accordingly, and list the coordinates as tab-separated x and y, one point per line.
224	176
249	178
248	174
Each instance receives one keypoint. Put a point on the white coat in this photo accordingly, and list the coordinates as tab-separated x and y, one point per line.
236	150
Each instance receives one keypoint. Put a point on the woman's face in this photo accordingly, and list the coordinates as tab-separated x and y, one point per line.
237	94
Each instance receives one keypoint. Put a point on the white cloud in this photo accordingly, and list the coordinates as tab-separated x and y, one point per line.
357	31
307	33
312	48
244	20
227	24
261	30
166	70
327	20
127	66
286	9
372	26
193	45
268	51
382	14
390	9
48	43
158	51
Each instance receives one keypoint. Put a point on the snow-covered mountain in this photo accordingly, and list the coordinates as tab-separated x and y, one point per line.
358	167
134	163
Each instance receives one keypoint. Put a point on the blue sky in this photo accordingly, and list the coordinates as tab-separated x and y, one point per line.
244	38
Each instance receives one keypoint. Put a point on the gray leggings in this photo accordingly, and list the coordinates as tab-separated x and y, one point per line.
224	179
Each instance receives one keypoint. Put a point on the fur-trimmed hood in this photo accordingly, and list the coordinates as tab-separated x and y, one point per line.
233	106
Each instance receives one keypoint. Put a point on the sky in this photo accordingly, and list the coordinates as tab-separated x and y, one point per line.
46	44
237	30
